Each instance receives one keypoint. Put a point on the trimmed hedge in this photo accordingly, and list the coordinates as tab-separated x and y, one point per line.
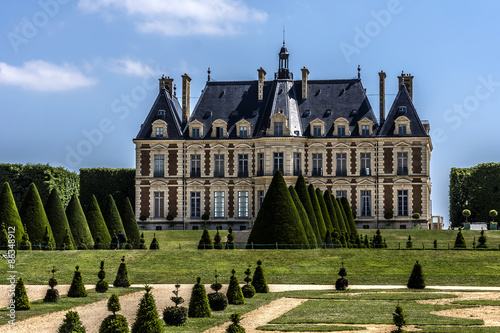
198	304
303	193
259	280
78	224
344	216
122	279
416	280
57	219
112	216
10	215
327	197
317	212
21	301
77	288
350	218
130	223
147	319
72	323
324	211
206	242
96	223
311	236
234	293
114	323
338	212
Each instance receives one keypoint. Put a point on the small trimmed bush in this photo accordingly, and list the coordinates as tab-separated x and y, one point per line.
77	288
142	242
235	327
114	323
154	244
216	300
25	242
409	243
399	319
52	295
67	243
388	215
460	240
342	283
493	213
482	241
218	241
248	290
415	216
378	241
416	280
102	285
122	279
21	300
259	280
466	213
147	319
435	244
198	304
175	315
230	239
71	323
234	293
206	242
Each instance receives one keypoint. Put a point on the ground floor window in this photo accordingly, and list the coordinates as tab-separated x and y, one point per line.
159	204
195	204
243	204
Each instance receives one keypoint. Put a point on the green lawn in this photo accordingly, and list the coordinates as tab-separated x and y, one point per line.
309	328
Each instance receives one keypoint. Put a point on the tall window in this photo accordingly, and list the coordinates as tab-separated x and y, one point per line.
365	130
402	129
402	163
341	130
403	203
365	164
317	160
219	166
243	204
219	132
159	166
260	172
195	165
261	198
278	163
243	132
342	164
341	194
159	132
219	204
296	164
195	204
242	165
159	204
278	128
196	132
317	131
366	203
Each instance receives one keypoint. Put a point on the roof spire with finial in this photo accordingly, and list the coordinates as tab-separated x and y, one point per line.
283	35
175	90
209	71
359	72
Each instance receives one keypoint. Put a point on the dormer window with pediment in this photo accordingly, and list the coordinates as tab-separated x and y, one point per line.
317	128
279	125
219	129
365	127
243	128
159	130
341	127
402	126
195	129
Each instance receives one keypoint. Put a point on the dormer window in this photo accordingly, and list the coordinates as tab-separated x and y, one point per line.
278	128
402	109
219	132
278	125
341	127
402	126
402	129
341	130
317	128
243	128
316	131
243	132
195	129
195	134
161	113
219	129
159	129
365	130
159	132
365	126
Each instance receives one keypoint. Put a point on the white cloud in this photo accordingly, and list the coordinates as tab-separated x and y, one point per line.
129	67
182	17
40	75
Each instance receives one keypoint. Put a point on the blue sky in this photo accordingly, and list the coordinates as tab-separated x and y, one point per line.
77	78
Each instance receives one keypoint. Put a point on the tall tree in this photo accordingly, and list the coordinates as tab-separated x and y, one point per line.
278	220
34	218
317	213
331	210
78	224
130	223
311	236
303	193
112	216
57	219
10	215
324	211
96	223
350	217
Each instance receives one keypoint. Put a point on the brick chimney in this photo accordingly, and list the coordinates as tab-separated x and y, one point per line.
167	83
305	77
382	76
407	80
262	79
186	98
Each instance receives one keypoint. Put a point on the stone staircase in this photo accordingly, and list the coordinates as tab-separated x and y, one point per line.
240	238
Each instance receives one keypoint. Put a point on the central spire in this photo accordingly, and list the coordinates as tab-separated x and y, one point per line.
283	71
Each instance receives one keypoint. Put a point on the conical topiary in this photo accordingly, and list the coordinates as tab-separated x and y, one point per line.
175	315
347	228
409	243
25	242
217	301
147	319
71	323
218	241
77	288
317	212
122	279
259	280
416	280
10	215
342	283
324	211
235	327
52	295
234	293
21	301
206	242
114	323
67	243
248	290
142	242
460	240
154	243
198	304
331	211
399	319
130	223
96	223
311	236
78	224
4	238
102	285
46	244
112	216
482	241
338	212
350	218
58	220
303	193
278	220
34	218
230	239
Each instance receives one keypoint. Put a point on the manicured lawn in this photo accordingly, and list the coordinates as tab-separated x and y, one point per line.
451	329
309	328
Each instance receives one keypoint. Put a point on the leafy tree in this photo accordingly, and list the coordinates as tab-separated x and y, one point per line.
234	293
175	315
198	304
350	218
303	193
102	285
206	242
460	240
57	219
78	224
218	241
52	295
259	280
114	323
482	241
311	236
399	318
235	327
278	220
21	301
122	279
409	243
96	223
324	211
342	283
72	323
77	288
154	243
147	319
34	218
317	212
416	280
10	215
112	216
217	301
230	239
129	223
248	290
327	197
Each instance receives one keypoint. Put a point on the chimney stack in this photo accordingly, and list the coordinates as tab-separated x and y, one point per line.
382	76
407	80
166	83
305	77
262	79
186	98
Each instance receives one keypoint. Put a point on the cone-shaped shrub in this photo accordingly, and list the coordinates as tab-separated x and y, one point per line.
311	236
317	212
303	193
217	301
235	327
154	243
96	223
230	239
147	319
460	240
142	242
21	300
327	197
46	245
78	224
324	211
234	293
218	241
342	283
409	243
175	315
198	304
10	215
378	242
4	237
112	216
482	241
350	219
25	241
206	242
77	288
278	220
416	280
102	285
339	213
259	280
72	323
130	223
122	279
248	290
114	323
67	244
34	218
399	319
52	295
57	219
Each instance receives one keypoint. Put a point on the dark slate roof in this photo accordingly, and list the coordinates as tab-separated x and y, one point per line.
172	110
403	99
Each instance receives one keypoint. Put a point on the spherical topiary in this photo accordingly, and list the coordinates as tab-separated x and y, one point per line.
114	323
77	288
234	293
259	280
466	213
415	216
416	280
52	295
235	327
198	305
206	242
175	315
72	323
122	279
21	300
342	283
248	290
216	300
493	213
388	215
147	319
142	242
460	240
154	244
102	285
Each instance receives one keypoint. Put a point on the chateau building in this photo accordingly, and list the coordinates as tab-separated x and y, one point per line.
214	166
